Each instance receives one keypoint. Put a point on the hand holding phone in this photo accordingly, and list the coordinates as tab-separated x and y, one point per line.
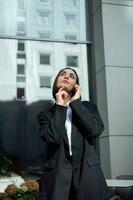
76	92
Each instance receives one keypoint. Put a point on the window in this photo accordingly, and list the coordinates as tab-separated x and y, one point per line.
72	61
20	26
45	81
70	37
71	3
44	18
43	1
20	69
74	2
20	13
70	19
21	46
45	59
20	78
21	34
45	35
20	93
21	55
20	4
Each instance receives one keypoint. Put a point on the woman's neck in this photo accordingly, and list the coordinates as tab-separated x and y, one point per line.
67	99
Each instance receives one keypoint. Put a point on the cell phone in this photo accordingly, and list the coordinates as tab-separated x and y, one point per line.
73	91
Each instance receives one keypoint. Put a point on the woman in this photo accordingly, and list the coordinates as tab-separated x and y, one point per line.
72	170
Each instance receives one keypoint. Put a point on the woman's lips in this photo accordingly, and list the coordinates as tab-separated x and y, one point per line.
66	82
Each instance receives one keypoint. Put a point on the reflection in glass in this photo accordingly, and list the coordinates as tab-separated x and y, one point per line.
36	66
43	1
20	93
70	37
20	69
21	46
45	81
20	79
36	18
43	18
70	3
45	59
70	20
21	26
72	61
21	55
45	35
35	44
20	4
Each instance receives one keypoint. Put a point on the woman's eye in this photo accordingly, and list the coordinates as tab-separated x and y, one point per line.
72	76
61	74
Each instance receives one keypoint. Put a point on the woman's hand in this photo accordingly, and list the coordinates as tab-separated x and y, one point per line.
77	93
61	97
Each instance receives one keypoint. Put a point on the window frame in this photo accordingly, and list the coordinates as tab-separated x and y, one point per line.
71	25
19	8
41	2
68	3
17	93
18	27
43	86
72	55
20	42
18	64
41	22
43	53
21	55
69	35
21	77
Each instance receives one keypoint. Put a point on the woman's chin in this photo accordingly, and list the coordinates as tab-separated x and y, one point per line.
68	90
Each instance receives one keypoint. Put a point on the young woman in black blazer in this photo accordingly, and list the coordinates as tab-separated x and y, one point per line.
72	168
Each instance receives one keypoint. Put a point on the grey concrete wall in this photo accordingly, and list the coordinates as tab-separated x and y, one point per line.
113	28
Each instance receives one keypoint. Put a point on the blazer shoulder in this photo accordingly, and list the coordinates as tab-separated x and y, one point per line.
47	112
89	104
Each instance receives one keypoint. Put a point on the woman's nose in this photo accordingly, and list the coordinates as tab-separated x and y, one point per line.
66	76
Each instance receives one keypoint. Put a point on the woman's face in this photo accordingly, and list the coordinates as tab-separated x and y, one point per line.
66	80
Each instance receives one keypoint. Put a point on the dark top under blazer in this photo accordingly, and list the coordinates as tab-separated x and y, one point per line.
88	179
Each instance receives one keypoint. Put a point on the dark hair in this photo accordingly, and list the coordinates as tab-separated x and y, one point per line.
55	89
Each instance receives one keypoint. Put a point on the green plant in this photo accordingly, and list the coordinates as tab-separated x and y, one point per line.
5	163
20	194
27	191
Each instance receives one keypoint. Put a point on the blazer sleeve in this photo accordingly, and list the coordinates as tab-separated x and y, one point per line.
52	124
88	117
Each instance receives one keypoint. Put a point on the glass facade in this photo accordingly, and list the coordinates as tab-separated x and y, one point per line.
37	18
37	39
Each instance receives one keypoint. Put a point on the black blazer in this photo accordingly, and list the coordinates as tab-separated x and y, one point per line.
84	167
